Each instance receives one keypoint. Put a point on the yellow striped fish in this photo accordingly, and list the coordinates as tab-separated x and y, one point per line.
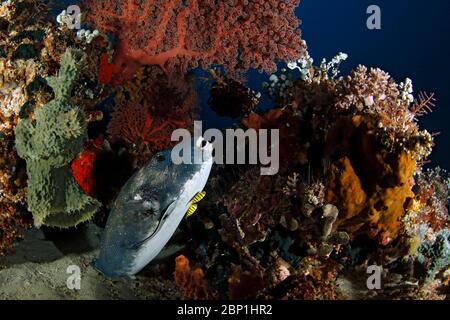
196	199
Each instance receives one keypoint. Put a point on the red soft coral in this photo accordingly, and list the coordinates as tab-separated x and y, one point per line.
136	125
83	166
105	69
148	110
184	34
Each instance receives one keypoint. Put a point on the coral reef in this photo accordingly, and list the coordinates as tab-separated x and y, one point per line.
191	281
255	204
178	35
31	47
49	145
83	166
351	192
12	190
22	25
364	182
148	109
81	110
437	254
10	223
228	97
134	124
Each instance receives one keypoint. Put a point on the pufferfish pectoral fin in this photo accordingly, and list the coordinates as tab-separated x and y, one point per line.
196	199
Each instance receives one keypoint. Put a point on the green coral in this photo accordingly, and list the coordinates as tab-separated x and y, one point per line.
49	145
437	253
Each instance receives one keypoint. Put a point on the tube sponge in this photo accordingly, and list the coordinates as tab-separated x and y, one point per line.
49	145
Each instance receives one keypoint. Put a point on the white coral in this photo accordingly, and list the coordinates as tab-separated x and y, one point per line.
87	35
10	104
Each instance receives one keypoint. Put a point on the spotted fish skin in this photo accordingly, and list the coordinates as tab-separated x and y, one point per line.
149	209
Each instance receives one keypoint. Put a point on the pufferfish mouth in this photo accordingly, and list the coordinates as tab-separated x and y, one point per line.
204	145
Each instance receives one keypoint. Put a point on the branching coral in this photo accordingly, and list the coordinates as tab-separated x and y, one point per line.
428	212
148	109
350	174
178	34
363	127
49	145
256	203
135	124
365	91
368	189
393	105
350	192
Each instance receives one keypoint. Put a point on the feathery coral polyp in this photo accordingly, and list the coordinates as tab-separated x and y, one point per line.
184	34
135	124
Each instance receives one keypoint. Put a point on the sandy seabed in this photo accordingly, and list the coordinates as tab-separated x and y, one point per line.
37	269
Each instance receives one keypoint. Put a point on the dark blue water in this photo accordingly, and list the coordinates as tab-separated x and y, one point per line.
413	42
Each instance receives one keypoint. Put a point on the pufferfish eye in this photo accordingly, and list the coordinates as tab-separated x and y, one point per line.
160	158
201	143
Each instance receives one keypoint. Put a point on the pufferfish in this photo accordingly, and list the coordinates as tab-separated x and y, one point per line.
149	209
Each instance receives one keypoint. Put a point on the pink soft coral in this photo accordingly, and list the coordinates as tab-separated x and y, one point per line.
184	34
